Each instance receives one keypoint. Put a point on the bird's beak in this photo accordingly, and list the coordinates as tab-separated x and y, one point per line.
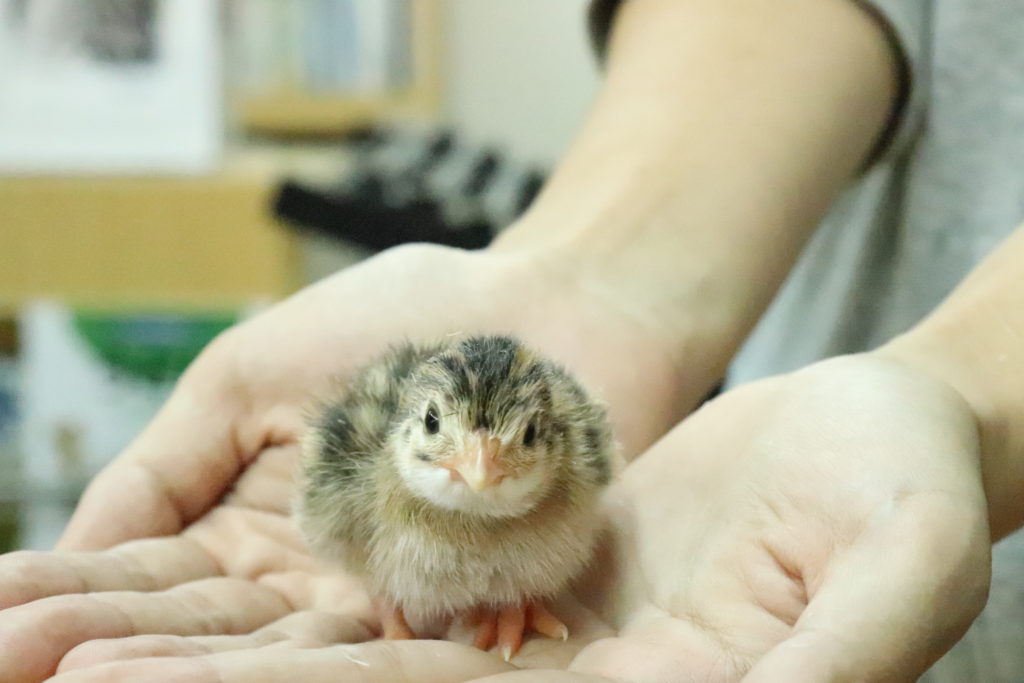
479	465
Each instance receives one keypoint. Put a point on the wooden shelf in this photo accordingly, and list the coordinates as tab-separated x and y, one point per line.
303	114
294	112
203	242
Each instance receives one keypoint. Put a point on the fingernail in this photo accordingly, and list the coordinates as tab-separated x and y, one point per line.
565	633
506	653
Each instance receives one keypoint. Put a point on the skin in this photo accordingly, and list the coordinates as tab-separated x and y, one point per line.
180	465
973	343
729	124
841	524
778	576
699	168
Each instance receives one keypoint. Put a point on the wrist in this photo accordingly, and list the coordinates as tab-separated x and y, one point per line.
627	358
699	314
946	348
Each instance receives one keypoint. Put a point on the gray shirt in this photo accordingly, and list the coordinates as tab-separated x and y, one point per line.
945	190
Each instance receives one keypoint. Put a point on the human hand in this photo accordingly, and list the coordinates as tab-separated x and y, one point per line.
828	525
239	411
825	525
248	390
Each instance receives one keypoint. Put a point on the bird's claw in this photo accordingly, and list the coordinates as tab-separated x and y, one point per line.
507	626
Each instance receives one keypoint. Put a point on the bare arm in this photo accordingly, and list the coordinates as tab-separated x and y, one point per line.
975	342
723	132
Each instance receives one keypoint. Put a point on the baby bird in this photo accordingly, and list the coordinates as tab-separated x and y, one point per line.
459	478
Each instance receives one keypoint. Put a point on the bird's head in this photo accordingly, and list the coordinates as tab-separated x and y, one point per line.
486	427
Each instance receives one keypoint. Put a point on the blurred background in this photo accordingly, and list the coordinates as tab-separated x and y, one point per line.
169	166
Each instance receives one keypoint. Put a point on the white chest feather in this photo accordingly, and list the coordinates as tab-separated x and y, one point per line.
431	574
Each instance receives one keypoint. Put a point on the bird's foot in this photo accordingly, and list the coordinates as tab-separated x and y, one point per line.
507	626
392	621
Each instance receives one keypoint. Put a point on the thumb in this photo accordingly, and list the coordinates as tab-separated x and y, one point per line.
172	472
894	601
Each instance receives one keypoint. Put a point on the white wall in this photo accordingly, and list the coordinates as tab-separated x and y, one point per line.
518	72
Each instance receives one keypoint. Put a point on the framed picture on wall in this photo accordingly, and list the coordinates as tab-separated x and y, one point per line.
110	86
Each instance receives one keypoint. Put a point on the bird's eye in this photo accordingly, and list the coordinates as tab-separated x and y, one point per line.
530	435
430	421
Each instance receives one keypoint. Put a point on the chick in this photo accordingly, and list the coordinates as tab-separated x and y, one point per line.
458	478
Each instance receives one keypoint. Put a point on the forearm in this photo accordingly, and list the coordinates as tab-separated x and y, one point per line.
975	342
721	135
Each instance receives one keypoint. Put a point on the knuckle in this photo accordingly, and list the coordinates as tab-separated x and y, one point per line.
64	609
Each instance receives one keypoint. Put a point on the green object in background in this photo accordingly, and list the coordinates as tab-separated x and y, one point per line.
153	347
10	519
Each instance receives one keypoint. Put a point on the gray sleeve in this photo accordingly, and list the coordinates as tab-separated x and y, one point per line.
907	27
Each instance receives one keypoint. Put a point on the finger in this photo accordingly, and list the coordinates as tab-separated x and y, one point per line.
416	661
552	676
317	628
268	485
146	565
174	470
652	656
300	629
93	653
34	637
892	603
